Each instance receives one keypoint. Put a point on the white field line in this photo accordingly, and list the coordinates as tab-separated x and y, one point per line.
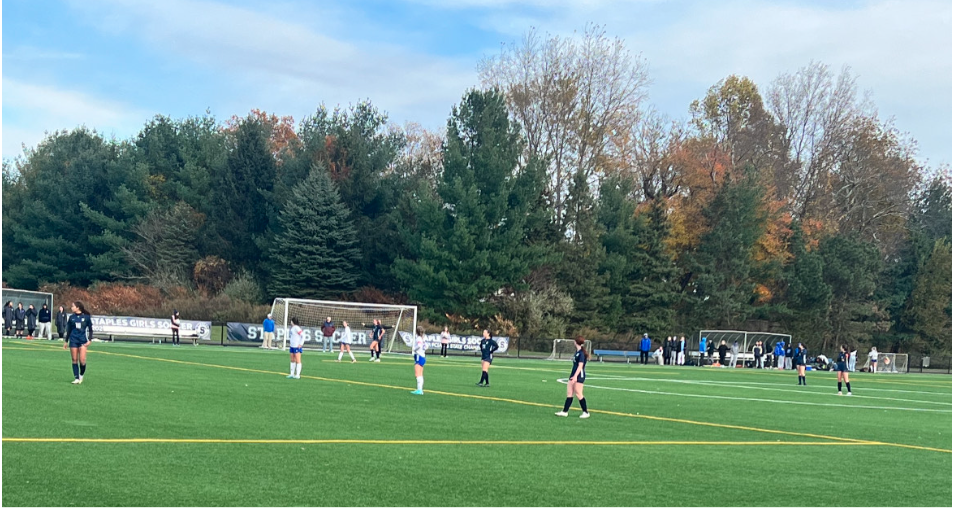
741	384
773	401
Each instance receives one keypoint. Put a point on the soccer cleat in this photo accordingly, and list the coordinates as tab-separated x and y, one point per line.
289	377
297	377
417	392
839	393
585	415
81	379
561	413
372	359
849	393
354	361
76	381
377	360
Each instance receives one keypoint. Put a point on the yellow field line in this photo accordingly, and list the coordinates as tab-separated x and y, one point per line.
537	404
426	442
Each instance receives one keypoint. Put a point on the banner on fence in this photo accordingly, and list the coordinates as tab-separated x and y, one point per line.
457	342
246	332
144	326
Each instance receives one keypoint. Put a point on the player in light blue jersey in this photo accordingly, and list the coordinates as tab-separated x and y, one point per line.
420	349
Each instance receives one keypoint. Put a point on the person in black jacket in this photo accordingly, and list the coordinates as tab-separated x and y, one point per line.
43	317
19	318
31	321
667	346
487	347
8	318
61	321
723	349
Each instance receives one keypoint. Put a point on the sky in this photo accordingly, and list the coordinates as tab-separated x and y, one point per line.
112	65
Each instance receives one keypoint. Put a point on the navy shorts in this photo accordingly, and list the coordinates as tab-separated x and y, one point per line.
294	350
841	367
74	344
488	360
420	360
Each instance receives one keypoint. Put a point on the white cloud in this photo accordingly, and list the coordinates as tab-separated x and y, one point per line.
285	66
31	110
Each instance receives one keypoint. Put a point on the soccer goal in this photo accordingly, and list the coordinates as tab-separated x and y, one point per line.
564	348
888	362
29	297
311	314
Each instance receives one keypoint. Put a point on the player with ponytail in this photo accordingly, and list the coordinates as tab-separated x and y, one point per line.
577	378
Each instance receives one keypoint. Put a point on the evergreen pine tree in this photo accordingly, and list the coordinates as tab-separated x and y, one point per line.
314	253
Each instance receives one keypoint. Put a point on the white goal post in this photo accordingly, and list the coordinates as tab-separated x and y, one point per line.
564	349
888	362
29	297
311	313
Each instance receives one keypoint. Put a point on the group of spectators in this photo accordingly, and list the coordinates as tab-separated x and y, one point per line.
23	322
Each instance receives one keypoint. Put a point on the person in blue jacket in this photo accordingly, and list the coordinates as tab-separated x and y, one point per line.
779	355
644	346
702	351
268	332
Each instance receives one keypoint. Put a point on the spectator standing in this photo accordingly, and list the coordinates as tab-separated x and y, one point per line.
31	322
268	332
8	319
44	317
779	355
62	318
734	351
644	347
757	355
789	355
667	350
19	319
681	358
327	334
175	327
723	349
445	340
852	360
711	350
873	358
702	350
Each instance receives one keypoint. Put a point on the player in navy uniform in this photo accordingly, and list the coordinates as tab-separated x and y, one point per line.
377	338
487	347
79	331
577	378
800	362
841	366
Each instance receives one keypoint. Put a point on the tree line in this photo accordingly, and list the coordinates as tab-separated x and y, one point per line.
557	201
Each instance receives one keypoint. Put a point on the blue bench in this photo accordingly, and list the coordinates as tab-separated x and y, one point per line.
626	354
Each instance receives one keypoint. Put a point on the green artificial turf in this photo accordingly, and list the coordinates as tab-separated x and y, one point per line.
691	436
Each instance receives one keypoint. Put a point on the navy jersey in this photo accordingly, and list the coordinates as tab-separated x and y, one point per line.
799	356
579	361
377	333
487	348
79	328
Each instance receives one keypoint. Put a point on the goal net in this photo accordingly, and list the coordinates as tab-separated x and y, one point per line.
311	314
564	348
29	297
887	362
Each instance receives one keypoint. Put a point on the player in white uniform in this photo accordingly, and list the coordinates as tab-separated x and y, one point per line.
296	337
420	349
345	342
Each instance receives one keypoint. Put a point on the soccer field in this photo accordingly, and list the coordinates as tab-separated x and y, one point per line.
158	425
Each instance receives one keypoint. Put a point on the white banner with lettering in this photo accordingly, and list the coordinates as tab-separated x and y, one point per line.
104	325
457	342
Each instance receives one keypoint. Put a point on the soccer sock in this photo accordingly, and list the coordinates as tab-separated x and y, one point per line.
291	371
583	405
297	368
566	405
420	383
83	370
848	385
75	371
483	377
839	386
339	355
351	354
487	378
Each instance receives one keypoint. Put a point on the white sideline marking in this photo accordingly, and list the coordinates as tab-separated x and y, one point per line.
788	389
773	401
